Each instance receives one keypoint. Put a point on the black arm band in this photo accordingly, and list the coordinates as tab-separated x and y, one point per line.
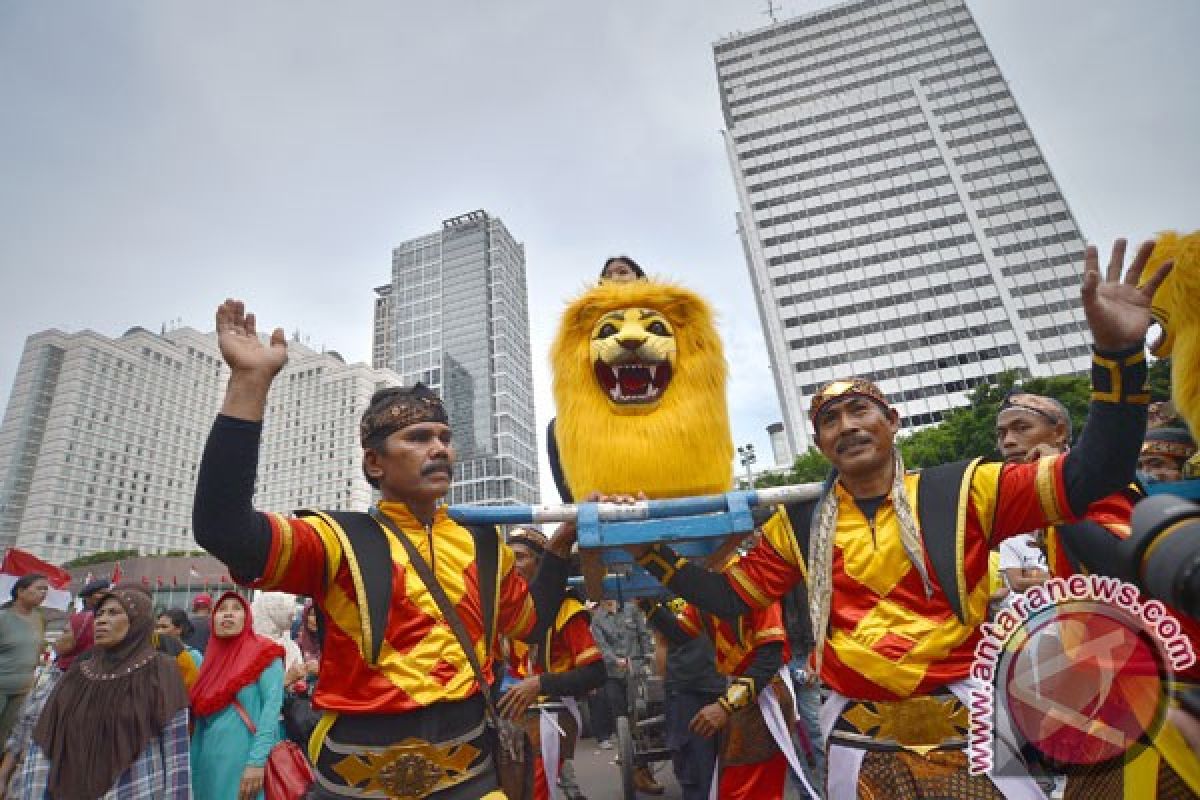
1105	458
709	591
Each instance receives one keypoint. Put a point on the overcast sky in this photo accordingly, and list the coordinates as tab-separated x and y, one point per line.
156	157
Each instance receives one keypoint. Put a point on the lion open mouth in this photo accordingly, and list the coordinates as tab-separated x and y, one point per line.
635	382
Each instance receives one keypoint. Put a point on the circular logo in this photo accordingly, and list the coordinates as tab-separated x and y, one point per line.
1085	683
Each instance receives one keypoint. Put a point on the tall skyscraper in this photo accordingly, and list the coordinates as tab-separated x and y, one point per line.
898	219
456	317
102	438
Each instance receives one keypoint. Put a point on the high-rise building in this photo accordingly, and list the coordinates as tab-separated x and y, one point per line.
456	318
898	219
102	438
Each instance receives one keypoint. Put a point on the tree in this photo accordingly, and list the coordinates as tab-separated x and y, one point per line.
102	557
971	431
812	467
1159	380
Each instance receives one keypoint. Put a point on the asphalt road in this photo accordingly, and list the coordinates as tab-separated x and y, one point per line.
600	778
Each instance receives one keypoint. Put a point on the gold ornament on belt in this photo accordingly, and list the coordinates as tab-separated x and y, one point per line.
410	770
919	724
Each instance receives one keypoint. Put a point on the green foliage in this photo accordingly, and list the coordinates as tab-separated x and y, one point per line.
1159	380
812	467
182	553
971	431
100	558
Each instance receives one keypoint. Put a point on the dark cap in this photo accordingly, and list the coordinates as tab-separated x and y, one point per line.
91	587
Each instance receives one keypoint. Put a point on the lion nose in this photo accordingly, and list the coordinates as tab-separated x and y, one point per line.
632	344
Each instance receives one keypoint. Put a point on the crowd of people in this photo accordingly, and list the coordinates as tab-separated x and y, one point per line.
411	656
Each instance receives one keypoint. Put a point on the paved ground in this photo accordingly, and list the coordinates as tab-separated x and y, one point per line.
600	779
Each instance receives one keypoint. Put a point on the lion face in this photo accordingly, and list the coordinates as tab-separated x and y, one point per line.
639	390
633	357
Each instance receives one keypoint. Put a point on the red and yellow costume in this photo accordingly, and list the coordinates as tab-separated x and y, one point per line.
570	645
420	661
886	639
735	644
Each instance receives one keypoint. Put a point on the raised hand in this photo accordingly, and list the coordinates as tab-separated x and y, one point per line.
243	351
1118	311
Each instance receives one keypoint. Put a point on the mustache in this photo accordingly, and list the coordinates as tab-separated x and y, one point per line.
438	466
850	440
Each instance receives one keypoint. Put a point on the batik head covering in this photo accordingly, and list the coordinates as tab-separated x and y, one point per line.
397	407
1171	442
532	538
1046	408
109	706
840	390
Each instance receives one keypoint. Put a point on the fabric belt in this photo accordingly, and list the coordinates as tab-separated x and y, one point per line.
411	769
919	724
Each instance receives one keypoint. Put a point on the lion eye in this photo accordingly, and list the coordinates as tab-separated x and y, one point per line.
657	328
606	330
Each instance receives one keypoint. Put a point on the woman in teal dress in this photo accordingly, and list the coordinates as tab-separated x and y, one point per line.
236	703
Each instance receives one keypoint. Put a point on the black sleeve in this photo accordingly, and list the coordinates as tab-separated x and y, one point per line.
707	590
556	470
768	658
574	682
224	521
548	588
1105	458
665	623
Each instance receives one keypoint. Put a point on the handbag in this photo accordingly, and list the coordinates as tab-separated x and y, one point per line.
287	775
299	717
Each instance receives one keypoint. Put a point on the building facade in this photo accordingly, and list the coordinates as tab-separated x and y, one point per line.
899	221
102	438
456	318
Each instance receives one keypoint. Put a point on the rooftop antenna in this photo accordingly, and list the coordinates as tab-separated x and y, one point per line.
771	9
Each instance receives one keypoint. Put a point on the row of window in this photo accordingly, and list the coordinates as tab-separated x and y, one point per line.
829	152
1062	355
867	261
875	221
970	58
903	173
812	27
899	371
883	63
875	41
859	200
895	324
928	226
928	340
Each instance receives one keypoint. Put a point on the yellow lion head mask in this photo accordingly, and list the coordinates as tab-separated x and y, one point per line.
639	386
1176	307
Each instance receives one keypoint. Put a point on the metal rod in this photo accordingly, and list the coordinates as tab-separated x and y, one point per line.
621	512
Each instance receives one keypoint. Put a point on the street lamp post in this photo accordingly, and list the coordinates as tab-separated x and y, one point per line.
747	457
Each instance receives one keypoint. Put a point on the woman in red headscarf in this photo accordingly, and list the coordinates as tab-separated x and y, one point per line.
236	702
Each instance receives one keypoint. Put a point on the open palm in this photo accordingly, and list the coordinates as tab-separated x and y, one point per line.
243	351
1118	311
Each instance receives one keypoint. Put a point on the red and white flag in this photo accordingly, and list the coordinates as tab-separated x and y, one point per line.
18	562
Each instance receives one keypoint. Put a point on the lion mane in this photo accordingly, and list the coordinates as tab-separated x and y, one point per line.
680	447
1176	309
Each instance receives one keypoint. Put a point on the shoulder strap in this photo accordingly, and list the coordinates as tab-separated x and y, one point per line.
443	603
800	517
241	712
942	494
370	563
487	566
